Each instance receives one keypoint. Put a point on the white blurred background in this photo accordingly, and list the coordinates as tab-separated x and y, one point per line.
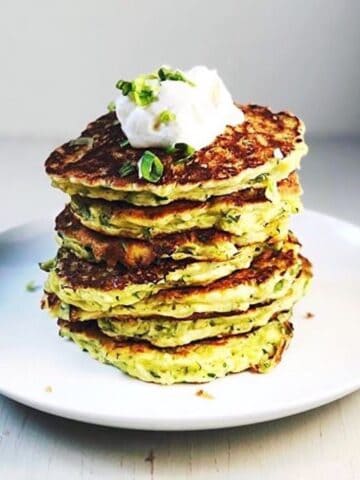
59	59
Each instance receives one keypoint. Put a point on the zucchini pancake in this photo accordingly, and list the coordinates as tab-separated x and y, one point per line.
247	213
265	148
197	362
167	331
175	262
198	244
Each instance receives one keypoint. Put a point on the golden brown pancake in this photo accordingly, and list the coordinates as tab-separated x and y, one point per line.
266	145
142	293
208	244
201	361
247	212
73	314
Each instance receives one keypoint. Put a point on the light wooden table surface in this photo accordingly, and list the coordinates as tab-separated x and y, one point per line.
323	444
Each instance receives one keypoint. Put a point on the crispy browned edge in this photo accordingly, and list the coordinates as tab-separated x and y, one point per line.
79	273
133	253
287	186
244	146
50	300
92	331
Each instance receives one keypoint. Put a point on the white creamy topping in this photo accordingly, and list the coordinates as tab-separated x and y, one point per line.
278	153
196	112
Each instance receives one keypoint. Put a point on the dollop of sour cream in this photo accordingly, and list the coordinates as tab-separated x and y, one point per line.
196	111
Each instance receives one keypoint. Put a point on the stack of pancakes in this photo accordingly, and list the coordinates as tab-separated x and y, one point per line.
190	278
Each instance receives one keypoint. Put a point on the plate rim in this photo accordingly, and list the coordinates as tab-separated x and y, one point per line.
169	424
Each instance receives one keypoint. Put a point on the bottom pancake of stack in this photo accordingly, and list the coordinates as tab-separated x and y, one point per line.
196	362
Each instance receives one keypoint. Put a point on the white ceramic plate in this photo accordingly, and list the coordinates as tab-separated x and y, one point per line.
41	370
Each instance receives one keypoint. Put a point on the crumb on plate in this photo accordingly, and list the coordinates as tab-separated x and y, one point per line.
204	394
31	286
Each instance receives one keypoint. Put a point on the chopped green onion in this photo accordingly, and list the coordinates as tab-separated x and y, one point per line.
139	91
31	286
147	232
279	285
180	148
111	106
124	86
124	143
182	151
105	218
260	178
47	265
65	311
150	167
164	117
88	141
83	210
175	75
232	218
127	168
142	93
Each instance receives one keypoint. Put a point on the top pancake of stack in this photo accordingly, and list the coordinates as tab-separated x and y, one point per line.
265	146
